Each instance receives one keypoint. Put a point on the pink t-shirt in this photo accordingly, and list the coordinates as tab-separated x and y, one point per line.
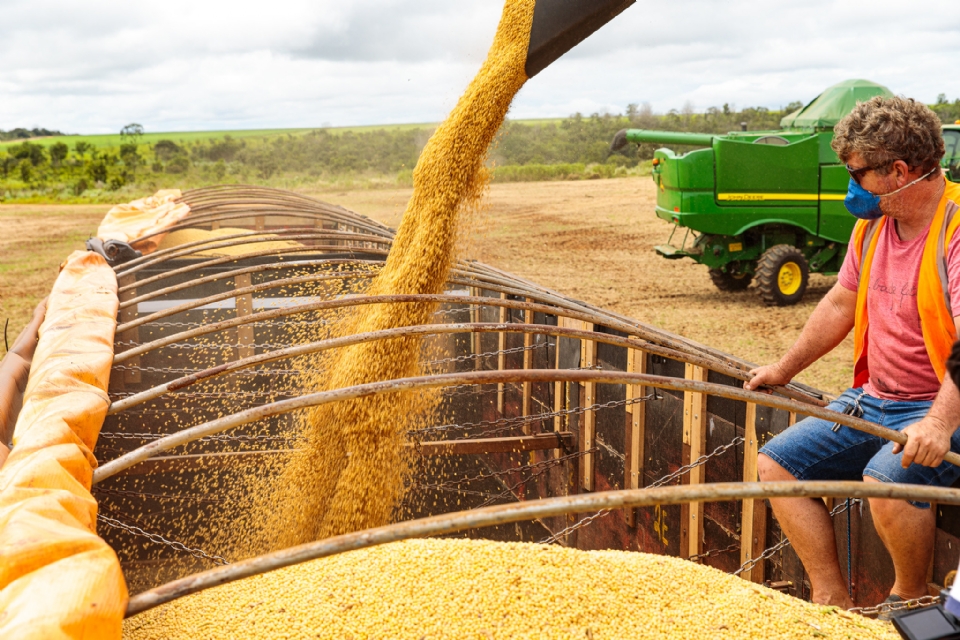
900	368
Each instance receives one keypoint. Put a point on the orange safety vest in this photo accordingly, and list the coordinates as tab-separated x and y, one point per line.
933	293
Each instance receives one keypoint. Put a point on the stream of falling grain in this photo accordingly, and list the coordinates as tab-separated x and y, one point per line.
350	475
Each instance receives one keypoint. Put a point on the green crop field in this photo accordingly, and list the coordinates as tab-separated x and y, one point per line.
107	140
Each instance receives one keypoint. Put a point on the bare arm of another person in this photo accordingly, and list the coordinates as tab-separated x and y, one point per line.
827	326
14	371
929	440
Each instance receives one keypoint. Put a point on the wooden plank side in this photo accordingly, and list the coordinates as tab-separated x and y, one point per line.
527	364
749	538
245	337
635	431
588	359
694	442
501	356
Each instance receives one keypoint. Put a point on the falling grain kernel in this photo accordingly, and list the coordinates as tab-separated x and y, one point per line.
435	589
350	476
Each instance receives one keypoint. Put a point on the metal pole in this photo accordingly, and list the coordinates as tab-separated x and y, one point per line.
487	377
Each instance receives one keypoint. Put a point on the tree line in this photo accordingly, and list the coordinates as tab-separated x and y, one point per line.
573	147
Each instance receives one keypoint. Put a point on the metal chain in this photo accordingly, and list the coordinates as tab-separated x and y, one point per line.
156	496
668	478
520	420
158	539
486	354
122	435
885	607
696	463
544	464
714	552
563	533
767	554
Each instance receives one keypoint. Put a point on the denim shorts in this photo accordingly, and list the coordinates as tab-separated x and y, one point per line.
812	450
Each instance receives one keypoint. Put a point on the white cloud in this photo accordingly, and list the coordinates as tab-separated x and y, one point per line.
178	64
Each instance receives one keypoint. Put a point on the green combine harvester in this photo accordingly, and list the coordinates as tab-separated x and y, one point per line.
764	205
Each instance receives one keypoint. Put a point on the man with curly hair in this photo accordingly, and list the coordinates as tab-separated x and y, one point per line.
899	291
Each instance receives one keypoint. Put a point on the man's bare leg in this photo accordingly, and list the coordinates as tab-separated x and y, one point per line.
908	534
807	524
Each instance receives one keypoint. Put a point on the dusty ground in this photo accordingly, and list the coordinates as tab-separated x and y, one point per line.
34	240
592	240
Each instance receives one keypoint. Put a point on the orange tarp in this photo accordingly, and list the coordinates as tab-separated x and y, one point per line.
131	221
58	579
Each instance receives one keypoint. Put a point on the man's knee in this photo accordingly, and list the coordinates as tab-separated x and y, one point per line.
770	471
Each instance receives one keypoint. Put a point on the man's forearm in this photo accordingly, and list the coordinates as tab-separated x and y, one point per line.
829	324
946	407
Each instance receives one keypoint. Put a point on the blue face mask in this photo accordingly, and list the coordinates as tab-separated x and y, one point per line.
862	203
865	204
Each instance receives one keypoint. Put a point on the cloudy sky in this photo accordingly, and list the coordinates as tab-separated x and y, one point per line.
93	66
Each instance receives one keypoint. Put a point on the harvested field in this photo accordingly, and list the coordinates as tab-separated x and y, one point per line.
36	238
592	240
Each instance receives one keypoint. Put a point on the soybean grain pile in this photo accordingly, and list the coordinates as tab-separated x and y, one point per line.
350	476
433	589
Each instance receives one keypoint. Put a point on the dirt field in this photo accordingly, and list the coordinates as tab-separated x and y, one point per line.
592	240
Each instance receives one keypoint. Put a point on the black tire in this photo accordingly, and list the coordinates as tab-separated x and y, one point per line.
729	281
782	276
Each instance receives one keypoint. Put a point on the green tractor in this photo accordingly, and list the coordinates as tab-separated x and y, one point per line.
764	205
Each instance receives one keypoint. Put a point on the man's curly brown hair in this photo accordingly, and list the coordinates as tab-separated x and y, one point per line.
884	130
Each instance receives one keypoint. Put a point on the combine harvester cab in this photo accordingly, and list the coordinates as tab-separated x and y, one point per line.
764	205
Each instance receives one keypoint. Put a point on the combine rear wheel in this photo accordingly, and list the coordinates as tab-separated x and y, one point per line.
782	275
730	281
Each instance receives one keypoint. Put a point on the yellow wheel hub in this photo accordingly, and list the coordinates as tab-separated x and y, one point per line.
789	278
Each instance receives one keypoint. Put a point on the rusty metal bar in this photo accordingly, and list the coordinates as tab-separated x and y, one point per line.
246	290
226	275
385	334
350	301
433	448
532	510
257	254
191	248
486	377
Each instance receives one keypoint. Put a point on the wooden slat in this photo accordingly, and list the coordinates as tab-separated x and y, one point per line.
588	359
694	443
131	375
199	461
474	336
635	432
527	364
501	357
259	223
750	540
245	337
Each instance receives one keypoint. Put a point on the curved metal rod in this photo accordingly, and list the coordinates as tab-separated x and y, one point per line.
120	268
191	248
491	280
531	510
488	377
335	250
430	329
360	300
225	275
223	295
195	219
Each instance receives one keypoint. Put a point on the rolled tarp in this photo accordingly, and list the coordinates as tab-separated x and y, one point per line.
144	217
58	579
